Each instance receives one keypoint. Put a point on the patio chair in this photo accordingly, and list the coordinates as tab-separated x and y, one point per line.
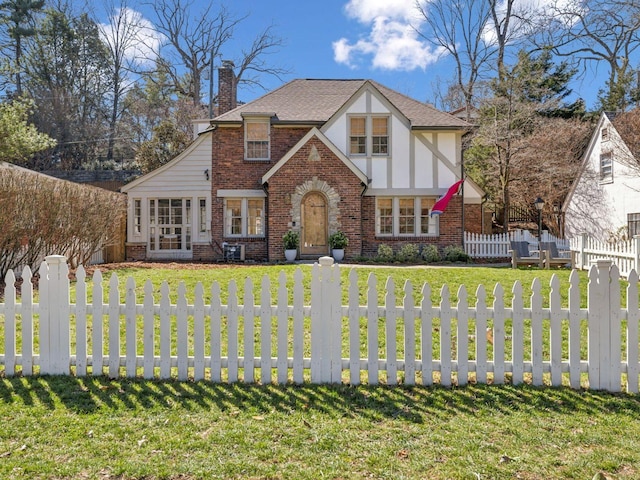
520	255
551	256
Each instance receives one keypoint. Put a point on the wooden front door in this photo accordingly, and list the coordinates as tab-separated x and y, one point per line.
313	211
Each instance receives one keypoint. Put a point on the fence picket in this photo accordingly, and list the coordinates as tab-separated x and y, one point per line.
353	313
409	335
445	336
481	334
97	336
574	330
249	331
615	331
372	330
498	335
182	325
81	322
165	331
517	334
282	330
114	327
265	331
536	332
426	335
232	332
555	337
148	332
298	327
198	333
633	317
463	336
390	333
10	324
216	333
26	312
130	328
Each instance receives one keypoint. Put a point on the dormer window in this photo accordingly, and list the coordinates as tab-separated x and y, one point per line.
257	136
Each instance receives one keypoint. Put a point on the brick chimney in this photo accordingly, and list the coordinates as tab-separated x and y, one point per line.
227	88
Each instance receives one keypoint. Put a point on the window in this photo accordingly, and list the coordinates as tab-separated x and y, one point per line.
369	135
605	134
380	135
202	215
170	224
257	139
244	217
358	136
405	216
606	167
137	216
633	224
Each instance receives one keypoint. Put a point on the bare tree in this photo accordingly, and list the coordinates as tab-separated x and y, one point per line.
593	32
625	141
459	28
197	39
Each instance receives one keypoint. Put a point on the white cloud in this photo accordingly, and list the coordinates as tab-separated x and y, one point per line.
133	32
392	42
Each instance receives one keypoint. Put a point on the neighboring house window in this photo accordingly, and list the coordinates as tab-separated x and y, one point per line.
380	135
606	167
257	139
605	134
170	224
405	216
633	224
369	135
202	215
137	216
358	136
244	217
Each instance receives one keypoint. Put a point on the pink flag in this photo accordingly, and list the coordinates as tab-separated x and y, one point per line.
442	203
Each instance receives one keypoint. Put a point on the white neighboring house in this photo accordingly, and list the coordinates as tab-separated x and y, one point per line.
605	197
169	209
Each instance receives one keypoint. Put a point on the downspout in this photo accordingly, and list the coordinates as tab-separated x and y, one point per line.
265	187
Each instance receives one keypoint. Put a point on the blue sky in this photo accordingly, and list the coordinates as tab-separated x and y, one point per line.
352	39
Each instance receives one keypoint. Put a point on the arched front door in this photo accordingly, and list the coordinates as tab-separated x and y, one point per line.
313	210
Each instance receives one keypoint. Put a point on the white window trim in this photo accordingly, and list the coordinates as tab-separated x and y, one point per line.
137	217
609	177
368	131
434	223
155	226
244	213
257	119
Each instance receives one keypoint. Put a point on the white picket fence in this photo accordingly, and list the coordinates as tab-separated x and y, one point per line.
324	341
625	255
478	245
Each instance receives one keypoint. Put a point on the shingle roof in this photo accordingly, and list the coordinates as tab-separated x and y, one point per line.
316	101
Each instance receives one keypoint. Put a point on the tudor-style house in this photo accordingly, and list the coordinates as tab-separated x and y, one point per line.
313	156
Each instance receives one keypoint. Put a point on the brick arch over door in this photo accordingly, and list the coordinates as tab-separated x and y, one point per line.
332	196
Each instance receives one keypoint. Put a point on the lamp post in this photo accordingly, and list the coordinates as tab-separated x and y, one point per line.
539	203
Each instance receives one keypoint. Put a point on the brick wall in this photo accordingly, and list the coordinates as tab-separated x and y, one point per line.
135	252
473	218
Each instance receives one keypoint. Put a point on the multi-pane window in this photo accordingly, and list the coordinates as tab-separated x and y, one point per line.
384	216
358	136
137	216
405	216
244	217
606	167
257	139
369	135
633	224
380	136
605	134
170	224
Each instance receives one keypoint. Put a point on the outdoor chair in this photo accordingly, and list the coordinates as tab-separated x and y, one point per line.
551	256
520	255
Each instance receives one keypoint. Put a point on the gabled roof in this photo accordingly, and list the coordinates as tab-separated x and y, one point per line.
314	132
314	101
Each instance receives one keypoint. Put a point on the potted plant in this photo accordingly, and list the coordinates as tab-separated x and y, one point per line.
337	242
291	240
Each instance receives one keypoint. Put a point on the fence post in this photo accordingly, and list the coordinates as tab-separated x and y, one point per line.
600	326
580	260
54	317
326	350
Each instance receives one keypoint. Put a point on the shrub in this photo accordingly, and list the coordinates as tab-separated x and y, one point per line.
291	240
430	254
385	253
408	253
455	253
338	240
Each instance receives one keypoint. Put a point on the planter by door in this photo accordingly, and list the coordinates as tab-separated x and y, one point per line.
337	254
290	255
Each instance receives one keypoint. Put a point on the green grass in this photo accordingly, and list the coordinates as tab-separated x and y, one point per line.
65	427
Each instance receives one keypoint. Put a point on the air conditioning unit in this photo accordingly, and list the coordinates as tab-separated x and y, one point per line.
233	252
